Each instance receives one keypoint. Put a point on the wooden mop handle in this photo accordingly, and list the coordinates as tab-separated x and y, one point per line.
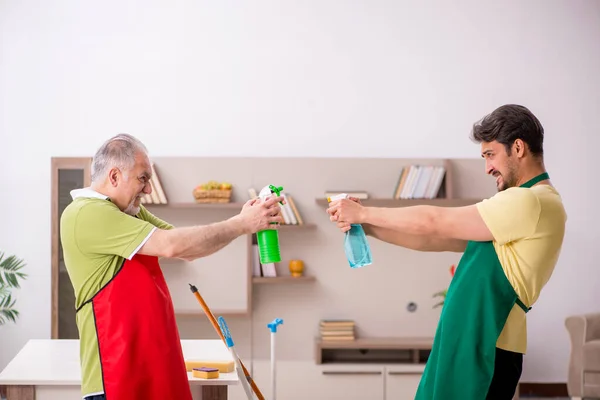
215	324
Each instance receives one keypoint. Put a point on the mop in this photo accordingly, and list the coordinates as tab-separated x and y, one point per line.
236	358
273	328
245	378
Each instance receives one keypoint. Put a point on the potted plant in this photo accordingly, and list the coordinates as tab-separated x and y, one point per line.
442	293
10	274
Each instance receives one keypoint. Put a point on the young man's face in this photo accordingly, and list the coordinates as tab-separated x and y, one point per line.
499	164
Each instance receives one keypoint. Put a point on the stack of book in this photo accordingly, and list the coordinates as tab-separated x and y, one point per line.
336	329
419	182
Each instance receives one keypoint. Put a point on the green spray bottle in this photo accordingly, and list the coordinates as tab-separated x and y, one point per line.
268	239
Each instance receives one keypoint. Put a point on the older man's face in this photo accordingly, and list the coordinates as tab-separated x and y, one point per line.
136	184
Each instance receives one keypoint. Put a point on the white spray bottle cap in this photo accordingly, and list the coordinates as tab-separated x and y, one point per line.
265	192
337	197
270	190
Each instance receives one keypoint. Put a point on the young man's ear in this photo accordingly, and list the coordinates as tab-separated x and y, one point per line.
519	147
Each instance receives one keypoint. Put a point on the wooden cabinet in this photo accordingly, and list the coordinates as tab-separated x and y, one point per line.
355	382
300	380
402	382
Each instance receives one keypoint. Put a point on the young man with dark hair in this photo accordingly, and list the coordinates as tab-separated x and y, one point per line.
511	243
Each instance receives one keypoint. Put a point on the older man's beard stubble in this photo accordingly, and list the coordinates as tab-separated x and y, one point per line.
132	209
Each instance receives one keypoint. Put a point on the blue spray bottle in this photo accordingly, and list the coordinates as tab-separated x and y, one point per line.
356	244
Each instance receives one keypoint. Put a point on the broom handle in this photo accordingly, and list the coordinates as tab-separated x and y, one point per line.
215	324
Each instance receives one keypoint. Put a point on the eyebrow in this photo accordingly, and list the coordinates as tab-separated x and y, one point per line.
486	152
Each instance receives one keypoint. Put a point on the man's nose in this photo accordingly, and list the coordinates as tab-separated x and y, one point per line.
489	168
147	188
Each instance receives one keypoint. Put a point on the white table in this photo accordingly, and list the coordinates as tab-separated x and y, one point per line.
49	370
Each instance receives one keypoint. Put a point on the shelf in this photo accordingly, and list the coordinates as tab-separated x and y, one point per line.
403	343
382	202
293	227
400	350
282	279
225	206
193	205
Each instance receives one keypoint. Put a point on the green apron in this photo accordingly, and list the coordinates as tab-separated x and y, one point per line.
477	305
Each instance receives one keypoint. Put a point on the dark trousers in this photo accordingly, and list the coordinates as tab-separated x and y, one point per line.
96	397
507	372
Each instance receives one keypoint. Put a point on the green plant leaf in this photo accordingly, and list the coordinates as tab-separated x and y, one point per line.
441	303
7	310
10	271
10	274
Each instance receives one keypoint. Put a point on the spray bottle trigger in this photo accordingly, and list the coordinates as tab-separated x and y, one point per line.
277	191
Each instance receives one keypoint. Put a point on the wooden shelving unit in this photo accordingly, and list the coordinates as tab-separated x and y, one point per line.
403	350
192	205
382	202
283	279
223	206
293	227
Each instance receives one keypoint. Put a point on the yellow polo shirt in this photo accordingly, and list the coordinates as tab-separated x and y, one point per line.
528	225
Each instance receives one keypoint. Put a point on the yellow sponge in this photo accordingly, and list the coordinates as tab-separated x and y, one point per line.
222	366
205	372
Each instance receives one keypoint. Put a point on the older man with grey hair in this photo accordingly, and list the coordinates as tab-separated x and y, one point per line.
129	341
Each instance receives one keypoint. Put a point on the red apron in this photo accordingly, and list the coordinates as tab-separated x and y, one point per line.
140	348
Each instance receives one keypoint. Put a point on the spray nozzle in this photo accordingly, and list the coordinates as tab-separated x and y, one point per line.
276	190
267	191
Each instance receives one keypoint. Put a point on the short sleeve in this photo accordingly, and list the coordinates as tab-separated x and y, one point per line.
102	229
146	215
511	215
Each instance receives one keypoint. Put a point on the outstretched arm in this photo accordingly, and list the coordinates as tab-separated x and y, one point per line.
193	242
508	216
425	228
462	223
415	242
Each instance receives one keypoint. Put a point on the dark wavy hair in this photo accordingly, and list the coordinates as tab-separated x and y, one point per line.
508	123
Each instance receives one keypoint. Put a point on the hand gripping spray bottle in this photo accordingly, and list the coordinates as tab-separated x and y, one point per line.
268	239
356	245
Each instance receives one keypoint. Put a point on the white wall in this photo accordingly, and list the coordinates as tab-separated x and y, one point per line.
364	78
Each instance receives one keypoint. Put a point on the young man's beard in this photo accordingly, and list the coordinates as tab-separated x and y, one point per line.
509	179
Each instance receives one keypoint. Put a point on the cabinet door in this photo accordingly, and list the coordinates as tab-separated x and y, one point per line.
401	382
67	174
351	382
301	380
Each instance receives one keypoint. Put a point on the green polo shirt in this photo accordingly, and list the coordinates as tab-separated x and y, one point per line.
96	239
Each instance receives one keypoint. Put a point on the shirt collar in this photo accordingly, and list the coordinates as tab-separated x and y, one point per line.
87	192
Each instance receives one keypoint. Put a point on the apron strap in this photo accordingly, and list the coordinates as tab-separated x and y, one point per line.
541	177
522	305
533	181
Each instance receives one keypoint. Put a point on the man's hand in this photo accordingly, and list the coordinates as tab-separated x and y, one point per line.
345	212
257	215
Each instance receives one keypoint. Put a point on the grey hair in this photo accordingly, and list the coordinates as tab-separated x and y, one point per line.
118	151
